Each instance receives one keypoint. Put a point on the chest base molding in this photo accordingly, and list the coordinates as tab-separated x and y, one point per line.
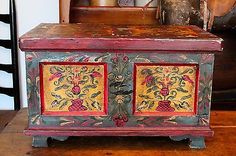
195	135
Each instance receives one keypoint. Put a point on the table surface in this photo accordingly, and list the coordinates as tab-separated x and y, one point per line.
5	119
119	37
14	142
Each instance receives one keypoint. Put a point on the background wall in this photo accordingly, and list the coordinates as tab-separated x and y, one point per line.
30	13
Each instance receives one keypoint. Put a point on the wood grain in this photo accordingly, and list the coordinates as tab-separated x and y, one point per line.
13	142
64	6
71	37
114	15
5	118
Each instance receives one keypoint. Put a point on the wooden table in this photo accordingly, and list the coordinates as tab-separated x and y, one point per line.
5	117
13	142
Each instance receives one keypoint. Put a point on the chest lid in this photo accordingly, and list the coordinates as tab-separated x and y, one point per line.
108	38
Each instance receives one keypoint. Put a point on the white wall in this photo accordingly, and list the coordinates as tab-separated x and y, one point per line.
30	13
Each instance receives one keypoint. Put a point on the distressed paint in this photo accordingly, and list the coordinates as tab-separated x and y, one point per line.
120	87
195	142
119	51
99	37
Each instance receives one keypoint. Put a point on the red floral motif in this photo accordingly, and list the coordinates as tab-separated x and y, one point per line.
71	59
114	59
76	90
187	78
95	74
164	106
29	57
86	59
55	75
84	68
148	79
165	91
125	59
120	120
77	105
76	80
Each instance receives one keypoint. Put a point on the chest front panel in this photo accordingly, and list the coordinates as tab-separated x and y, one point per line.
97	90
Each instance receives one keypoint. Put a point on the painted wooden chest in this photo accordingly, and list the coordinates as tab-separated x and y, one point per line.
101	80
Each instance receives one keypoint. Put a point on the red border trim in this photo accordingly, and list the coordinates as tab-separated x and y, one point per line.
165	113
65	113
127	44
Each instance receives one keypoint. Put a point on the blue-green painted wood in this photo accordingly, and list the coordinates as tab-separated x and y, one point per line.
205	62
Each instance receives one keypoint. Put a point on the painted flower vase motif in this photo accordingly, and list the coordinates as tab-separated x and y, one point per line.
77	105
164	106
73	88
165	88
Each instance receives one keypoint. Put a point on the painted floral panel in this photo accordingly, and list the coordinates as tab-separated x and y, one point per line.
121	87
163	89
73	88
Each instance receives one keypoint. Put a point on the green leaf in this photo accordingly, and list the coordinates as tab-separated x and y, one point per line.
52	70
145	96
88	106
186	97
156	93
154	88
96	105
56	96
60	69
149	90
189	70
146	72
69	94
61	87
159	69
149	85
61	79
82	82
65	87
94	95
81	95
158	97
170	97
143	105
151	105
180	89
90	86
63	105
177	106
58	88
55	103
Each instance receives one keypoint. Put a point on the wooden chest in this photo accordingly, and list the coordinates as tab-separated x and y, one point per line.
103	80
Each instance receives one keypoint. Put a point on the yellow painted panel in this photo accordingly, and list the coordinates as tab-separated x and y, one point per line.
165	88
73	87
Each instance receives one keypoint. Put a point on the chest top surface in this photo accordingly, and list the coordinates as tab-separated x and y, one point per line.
72	37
